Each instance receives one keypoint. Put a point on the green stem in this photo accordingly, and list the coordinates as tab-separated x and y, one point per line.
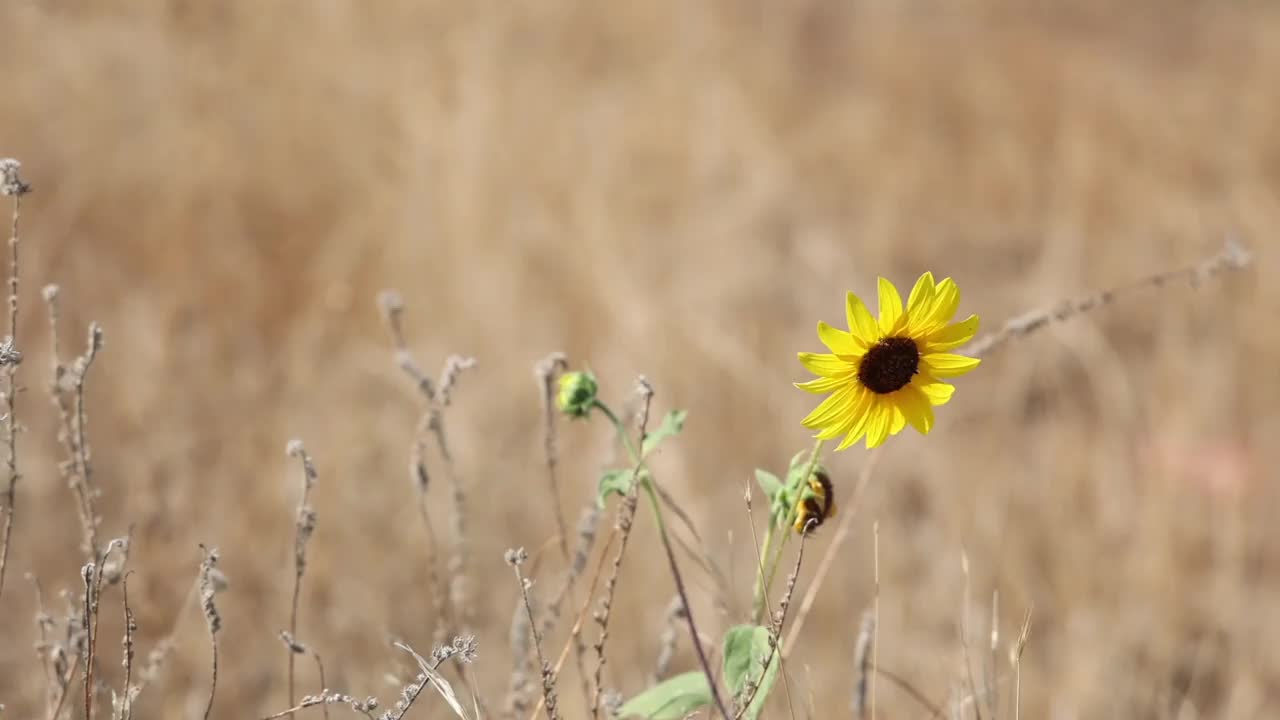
622	432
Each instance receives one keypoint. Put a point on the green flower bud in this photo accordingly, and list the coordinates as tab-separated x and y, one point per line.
577	393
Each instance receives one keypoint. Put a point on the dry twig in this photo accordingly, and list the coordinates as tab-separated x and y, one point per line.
10	358
304	526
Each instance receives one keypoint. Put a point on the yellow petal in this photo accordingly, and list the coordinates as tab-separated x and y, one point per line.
826	365
916	407
861	324
822	385
839	341
863	411
848	417
838	421
873	417
920	300
946	299
851	438
897	419
944	365
878	428
830	431
891	315
939	393
831	408
952	336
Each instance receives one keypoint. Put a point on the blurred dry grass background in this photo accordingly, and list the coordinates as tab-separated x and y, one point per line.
680	190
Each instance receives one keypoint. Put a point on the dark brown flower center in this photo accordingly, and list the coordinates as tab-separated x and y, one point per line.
889	365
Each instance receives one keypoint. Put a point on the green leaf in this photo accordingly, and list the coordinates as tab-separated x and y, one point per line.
671	699
768	482
798	461
613	482
737	655
672	424
746	647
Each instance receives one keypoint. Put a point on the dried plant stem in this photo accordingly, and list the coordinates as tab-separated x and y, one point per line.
61	656
212	619
964	638
213	674
438	397
667	642
67	393
546	371
82	420
304	527
1232	256
457	567
875	627
324	700
65	692
160	652
130	627
863	662
428	676
1015	657
576	632
324	709
521	666
582	549
435	587
421	479
625	521
309	701
462	648
934	709
992	678
88	574
10	360
622	526
519	639
459	593
44	622
515	558
91	575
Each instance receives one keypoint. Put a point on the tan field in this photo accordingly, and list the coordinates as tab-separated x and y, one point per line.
679	190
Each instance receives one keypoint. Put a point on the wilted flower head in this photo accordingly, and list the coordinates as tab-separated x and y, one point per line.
10	181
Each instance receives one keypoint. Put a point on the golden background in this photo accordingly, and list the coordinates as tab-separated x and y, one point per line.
680	190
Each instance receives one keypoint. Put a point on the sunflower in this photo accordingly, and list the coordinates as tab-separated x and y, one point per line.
884	374
816	506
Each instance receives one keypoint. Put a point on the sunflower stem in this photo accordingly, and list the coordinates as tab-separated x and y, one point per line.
770	570
622	432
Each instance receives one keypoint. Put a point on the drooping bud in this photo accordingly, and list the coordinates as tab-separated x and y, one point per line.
577	393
